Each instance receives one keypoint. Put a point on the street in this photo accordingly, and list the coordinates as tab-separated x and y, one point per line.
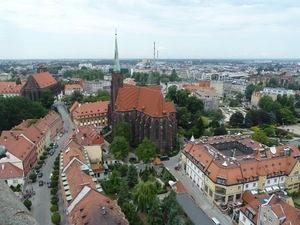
192	189
41	200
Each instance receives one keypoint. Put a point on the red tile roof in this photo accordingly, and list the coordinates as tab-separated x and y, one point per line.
88	135
73	87
91	108
8	170
44	79
10	87
138	98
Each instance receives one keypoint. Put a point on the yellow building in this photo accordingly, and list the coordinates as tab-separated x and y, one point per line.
223	167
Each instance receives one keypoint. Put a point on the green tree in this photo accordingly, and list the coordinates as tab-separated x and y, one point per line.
236	119
120	147
144	194
28	204
155	215
273	82
266	103
146	150
33	177
54	208
124	195
260	136
123	129
55	218
18	81
221	131
287	115
132	176
53	191
131	214
123	169
76	96
250	89
54	200
103	95
115	181
47	99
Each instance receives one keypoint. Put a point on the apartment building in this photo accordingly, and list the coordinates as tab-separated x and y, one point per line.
93	113
256	96
224	167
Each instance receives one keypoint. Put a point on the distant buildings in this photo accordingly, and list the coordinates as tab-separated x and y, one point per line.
145	109
256	96
10	89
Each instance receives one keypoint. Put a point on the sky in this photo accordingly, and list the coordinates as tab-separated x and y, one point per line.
202	29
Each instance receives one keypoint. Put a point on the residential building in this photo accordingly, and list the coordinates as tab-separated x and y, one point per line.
70	88
55	123
223	167
144	108
10	89
88	135
39	82
83	197
11	174
77	81
278	91
256	96
90	87
92	113
268	209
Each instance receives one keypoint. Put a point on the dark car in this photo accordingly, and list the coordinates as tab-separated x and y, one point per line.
49	185
40	175
41	183
164	158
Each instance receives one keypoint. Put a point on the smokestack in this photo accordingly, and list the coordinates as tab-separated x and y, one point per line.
157	54
154	52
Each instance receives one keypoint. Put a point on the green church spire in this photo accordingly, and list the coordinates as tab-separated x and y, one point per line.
116	63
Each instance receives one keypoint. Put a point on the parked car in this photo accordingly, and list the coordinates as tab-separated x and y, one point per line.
41	183
40	175
164	158
49	185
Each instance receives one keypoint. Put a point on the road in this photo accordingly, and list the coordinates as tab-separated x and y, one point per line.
41	201
200	199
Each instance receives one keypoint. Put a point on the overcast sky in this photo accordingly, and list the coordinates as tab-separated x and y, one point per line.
180	28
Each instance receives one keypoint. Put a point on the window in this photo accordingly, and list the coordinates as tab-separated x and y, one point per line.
265	216
270	220
247	185
268	181
254	184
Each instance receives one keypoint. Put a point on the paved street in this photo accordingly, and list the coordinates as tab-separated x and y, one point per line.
192	189
41	201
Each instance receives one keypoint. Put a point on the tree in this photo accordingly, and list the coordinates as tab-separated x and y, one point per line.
54	200
28	204
53	191
221	131
236	119
146	150
144	194
123	169
131	214
250	89
124	195
248	120
260	136
55	218
18	81
103	95
273	82
120	147
287	115
115	181
47	99
266	103
76	96
54	208
123	129
132	176
33	177
155	214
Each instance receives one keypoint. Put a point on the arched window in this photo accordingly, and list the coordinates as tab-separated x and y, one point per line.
164	130
156	129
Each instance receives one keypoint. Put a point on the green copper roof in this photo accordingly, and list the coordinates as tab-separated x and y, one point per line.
116	63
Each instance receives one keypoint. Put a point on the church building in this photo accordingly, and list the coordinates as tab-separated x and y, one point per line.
144	108
38	82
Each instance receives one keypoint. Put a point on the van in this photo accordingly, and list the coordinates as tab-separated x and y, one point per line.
214	219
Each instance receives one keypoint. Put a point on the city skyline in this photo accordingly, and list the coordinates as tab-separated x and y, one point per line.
181	29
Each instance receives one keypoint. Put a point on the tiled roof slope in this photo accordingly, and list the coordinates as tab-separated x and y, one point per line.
44	79
91	108
88	135
10	87
95	208
8	171
73	87
148	99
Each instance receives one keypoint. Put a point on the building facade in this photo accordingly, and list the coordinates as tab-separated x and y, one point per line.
224	167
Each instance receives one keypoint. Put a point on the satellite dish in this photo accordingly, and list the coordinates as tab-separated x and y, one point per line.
273	150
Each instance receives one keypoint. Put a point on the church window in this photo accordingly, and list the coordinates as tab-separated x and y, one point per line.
156	129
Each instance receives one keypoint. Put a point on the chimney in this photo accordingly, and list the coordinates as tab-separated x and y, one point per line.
2	166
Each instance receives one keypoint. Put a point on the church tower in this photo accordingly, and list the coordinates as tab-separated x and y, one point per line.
117	76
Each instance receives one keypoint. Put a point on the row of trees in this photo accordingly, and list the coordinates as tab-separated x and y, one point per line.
14	110
101	95
142	79
85	74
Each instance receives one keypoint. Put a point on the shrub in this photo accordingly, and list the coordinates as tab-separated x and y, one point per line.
42	158
54	200
53	191
28	204
56	163
45	153
37	167
33	177
41	162
51	145
289	136
55	172
53	183
55	218
54	208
